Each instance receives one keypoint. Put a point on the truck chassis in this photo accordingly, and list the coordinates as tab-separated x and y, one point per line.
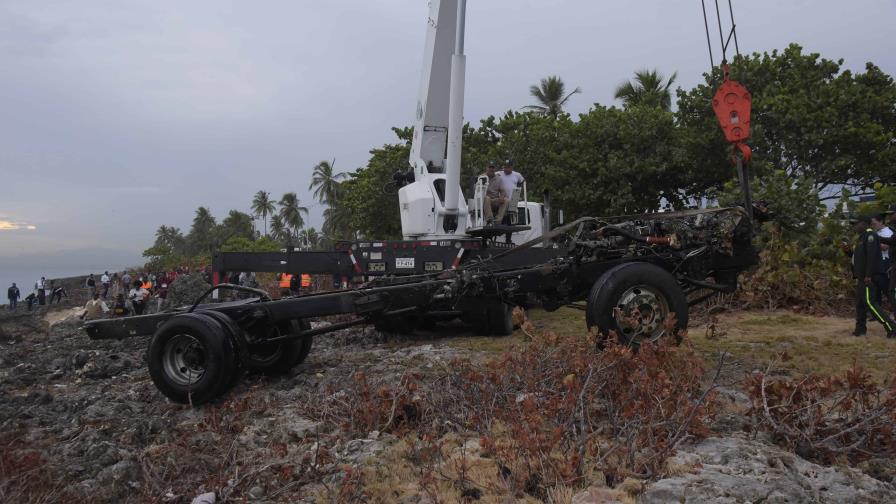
635	274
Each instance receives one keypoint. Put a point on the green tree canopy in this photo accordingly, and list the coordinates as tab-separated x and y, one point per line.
648	89
202	232
809	119
236	224
551	96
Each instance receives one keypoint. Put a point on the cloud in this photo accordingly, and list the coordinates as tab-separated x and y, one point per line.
6	225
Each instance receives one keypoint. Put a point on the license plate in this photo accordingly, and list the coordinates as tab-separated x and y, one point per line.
376	266
404	262
433	266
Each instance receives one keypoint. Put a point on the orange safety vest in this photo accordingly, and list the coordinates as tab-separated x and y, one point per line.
306	280
147	285
285	280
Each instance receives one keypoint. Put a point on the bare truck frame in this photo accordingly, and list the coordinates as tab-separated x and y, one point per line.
633	273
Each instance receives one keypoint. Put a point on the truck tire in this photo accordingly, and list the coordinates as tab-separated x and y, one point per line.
500	318
191	360
275	359
233	330
639	287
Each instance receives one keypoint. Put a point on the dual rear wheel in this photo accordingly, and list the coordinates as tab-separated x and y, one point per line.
193	358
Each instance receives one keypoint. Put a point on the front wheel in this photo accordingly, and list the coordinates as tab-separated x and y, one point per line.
634	300
191	360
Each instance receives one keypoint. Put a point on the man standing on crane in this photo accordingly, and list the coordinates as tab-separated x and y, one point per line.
495	198
510	179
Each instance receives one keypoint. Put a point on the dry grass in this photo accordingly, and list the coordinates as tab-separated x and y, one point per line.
822	345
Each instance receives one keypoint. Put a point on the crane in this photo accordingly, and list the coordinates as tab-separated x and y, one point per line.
433	205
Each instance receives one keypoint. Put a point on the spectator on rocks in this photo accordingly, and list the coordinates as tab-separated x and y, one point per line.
120	308
57	294
13	295
125	281
31	298
138	296
105	280
91	286
94	309
116	285
41	287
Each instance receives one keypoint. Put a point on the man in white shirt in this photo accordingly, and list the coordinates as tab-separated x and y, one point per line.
510	180
105	280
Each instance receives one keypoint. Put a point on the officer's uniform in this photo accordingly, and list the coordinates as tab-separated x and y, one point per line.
867	262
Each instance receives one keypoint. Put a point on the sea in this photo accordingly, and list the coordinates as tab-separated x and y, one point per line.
25	278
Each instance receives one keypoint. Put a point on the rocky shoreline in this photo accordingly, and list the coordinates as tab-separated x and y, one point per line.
82	421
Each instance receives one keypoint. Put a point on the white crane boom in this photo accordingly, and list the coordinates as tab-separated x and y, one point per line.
433	206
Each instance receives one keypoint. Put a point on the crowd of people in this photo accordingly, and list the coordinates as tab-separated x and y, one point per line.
128	293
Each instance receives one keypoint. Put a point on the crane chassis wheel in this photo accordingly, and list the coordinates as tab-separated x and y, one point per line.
634	300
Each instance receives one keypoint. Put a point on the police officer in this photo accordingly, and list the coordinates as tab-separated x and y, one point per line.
866	263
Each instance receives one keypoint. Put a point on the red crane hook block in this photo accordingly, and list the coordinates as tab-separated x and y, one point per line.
732	104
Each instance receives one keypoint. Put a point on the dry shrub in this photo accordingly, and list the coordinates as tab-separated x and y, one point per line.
789	277
843	418
549	413
26	476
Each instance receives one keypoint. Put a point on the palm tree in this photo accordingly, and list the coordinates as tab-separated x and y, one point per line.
279	231
326	183
262	206
308	238
291	212
171	237
337	220
648	89
202	232
551	96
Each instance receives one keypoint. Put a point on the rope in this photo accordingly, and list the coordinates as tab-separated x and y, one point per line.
712	61
721	37
733	28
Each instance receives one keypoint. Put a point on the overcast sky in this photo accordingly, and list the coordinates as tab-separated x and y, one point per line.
119	116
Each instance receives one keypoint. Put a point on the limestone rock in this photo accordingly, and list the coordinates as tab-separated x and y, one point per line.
738	470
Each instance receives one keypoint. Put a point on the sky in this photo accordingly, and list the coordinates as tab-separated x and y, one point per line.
119	116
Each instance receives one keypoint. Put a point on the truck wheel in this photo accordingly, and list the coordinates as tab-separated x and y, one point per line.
234	331
500	318
634	300
275	359
191	360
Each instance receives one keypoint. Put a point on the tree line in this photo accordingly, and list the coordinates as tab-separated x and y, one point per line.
817	130
815	127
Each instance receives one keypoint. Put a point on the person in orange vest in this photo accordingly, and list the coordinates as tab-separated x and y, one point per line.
285	284
306	282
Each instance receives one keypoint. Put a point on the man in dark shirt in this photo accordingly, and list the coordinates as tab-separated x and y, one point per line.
57	294
866	263
13	295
